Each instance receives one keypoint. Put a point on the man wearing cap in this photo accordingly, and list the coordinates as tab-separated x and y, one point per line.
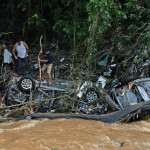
48	62
22	54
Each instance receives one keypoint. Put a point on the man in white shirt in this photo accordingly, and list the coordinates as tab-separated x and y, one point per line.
22	54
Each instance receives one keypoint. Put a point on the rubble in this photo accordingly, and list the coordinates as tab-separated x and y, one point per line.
21	104
22	97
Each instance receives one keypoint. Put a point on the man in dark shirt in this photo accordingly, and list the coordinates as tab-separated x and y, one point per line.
48	62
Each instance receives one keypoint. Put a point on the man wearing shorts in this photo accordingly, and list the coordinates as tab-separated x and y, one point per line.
48	62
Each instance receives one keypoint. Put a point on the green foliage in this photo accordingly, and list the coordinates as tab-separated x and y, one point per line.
24	4
145	35
140	57
37	21
125	21
11	6
47	3
124	62
68	23
83	27
103	16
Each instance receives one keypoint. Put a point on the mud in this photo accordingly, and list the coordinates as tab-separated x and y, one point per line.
73	134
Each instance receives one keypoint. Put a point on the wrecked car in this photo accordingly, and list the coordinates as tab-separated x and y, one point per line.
23	89
127	92
131	92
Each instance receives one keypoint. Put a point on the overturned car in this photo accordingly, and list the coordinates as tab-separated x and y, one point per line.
127	92
21	90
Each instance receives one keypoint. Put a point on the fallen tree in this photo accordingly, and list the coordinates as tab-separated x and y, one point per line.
110	117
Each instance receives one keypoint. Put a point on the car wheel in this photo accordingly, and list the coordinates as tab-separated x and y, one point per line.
127	80
92	95
26	84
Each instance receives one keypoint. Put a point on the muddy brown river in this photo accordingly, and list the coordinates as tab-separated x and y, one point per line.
74	134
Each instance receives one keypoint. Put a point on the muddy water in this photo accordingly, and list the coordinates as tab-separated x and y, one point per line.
74	134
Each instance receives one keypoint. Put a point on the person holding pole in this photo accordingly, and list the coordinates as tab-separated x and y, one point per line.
48	63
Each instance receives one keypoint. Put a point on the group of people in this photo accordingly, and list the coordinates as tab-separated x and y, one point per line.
20	54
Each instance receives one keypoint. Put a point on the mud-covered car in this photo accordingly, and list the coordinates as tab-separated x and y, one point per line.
25	88
129	91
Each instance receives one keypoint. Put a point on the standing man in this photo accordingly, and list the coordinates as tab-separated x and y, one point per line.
22	54
48	62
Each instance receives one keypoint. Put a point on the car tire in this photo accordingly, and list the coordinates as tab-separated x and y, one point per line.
26	84
91	95
127	80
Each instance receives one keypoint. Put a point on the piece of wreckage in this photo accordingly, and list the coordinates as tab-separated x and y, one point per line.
127	99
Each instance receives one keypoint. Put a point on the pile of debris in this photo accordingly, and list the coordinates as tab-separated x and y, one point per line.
23	98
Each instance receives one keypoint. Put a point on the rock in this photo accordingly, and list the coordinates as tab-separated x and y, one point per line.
28	118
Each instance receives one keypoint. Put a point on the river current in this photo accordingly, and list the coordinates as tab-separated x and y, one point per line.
74	134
